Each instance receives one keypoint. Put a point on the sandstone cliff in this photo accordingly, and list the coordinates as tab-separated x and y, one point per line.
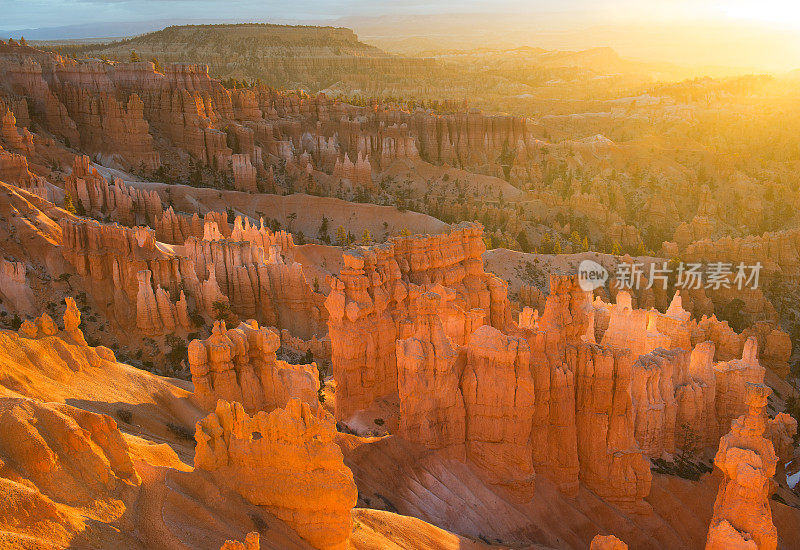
285	461
240	365
742	516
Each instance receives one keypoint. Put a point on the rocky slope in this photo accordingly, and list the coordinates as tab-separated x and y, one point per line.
398	386
278	55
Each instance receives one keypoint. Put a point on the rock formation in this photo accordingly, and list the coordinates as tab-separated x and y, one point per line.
674	393
72	456
499	402
733	378
742	516
285	461
240	365
258	281
781	430
72	322
544	399
432	409
376	294
155	313
18	139
92	192
14	287
244	173
607	542
144	285
14	168
633	329
112	129
552	339
251	542
611	463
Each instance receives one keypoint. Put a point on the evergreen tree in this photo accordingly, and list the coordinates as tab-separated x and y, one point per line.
134	57
341	236
323	229
69	206
522	239
547	244
575	240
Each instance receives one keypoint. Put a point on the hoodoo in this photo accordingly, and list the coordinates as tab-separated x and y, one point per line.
272	287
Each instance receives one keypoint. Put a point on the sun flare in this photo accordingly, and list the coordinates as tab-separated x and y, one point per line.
783	12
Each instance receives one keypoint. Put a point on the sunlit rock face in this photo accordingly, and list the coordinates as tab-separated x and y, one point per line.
732	379
62	453
607	542
374	301
240	365
611	463
286	461
499	403
432	405
742	515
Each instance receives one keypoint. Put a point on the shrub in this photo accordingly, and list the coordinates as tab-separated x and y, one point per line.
124	415
181	432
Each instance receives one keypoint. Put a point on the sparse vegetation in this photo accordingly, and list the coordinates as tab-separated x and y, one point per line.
124	415
181	432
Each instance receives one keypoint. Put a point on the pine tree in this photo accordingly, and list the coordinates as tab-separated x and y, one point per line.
522	239
134	57
323	229
69	206
366	238
222	312
547	245
341	236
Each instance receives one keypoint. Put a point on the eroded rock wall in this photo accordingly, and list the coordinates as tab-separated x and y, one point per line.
286	461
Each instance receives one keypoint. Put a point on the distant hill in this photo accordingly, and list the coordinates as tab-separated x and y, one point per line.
725	47
310	57
526	62
176	43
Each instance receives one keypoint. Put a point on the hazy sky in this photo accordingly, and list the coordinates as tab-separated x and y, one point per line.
21	14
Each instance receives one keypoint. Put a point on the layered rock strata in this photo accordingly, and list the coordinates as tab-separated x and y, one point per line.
287	462
742	516
240	365
374	301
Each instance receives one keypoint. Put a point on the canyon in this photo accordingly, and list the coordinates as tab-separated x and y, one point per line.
226	323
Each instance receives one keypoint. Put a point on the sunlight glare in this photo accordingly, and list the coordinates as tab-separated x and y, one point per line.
784	12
